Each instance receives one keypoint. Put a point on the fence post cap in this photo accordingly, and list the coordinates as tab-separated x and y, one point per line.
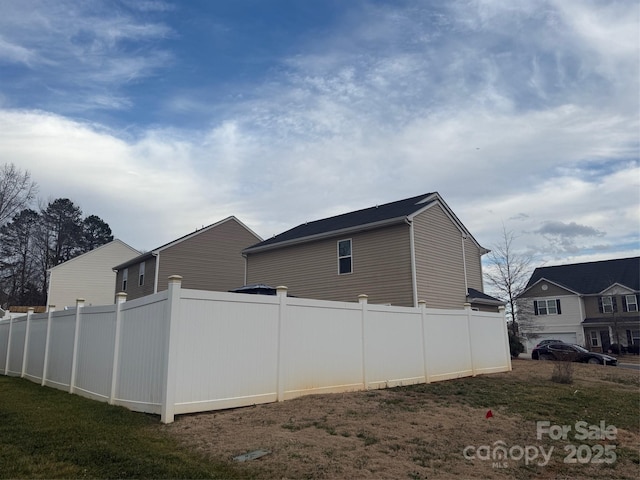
422	303
175	278
281	290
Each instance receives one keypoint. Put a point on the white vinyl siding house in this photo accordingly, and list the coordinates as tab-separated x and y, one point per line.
594	304
89	276
558	316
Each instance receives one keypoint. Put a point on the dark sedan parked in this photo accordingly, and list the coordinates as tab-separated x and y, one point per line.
571	353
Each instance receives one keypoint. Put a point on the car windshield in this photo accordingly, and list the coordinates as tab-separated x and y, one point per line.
581	349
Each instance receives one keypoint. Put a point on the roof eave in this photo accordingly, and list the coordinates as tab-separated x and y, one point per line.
486	301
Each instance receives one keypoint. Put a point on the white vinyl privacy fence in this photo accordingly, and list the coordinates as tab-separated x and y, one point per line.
182	351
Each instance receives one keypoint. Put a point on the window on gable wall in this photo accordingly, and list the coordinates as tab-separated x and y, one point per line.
547	307
125	277
345	264
630	303
607	304
141	275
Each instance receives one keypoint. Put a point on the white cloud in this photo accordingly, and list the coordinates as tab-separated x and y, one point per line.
509	109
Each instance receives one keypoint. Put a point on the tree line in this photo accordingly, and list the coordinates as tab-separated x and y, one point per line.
34	240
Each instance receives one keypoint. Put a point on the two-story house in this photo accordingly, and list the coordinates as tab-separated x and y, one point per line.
594	304
207	259
398	253
88	276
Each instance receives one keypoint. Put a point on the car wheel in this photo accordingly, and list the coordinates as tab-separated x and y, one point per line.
544	356
594	361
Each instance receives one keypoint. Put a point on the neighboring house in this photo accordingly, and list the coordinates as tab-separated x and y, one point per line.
398	253
207	259
594	304
89	276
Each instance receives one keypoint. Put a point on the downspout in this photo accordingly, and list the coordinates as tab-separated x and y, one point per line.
157	272
412	246
586	342
464	265
246	266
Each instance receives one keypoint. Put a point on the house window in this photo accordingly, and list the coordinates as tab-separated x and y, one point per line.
125	277
594	338
607	304
141	274
633	337
631	302
344	257
547	307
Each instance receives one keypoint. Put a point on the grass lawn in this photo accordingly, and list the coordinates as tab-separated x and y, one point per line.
417	431
46	433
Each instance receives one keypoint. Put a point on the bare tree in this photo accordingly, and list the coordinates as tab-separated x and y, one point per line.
17	190
507	274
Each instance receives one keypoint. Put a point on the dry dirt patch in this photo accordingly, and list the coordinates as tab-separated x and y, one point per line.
378	434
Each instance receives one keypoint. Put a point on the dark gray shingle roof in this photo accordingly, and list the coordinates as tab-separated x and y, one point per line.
592	277
400	210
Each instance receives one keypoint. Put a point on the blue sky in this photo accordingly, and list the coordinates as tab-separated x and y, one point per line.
162	117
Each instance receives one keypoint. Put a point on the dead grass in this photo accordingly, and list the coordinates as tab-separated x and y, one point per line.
422	431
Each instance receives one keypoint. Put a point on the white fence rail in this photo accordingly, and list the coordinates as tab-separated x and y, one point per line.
182	351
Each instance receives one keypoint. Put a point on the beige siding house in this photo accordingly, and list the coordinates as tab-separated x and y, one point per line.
397	253
89	276
207	259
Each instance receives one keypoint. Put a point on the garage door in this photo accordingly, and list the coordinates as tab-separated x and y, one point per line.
565	337
568	337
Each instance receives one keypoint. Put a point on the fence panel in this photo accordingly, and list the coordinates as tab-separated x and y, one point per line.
490	347
227	350
16	353
95	351
4	344
321	347
447	344
36	346
63	325
394	347
142	353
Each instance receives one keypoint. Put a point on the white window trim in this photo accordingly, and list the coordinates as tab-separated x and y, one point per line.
594	338
546	303
350	256
125	279
634	303
605	305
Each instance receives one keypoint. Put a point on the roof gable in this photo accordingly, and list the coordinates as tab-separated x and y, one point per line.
106	246
591	277
157	250
541	288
